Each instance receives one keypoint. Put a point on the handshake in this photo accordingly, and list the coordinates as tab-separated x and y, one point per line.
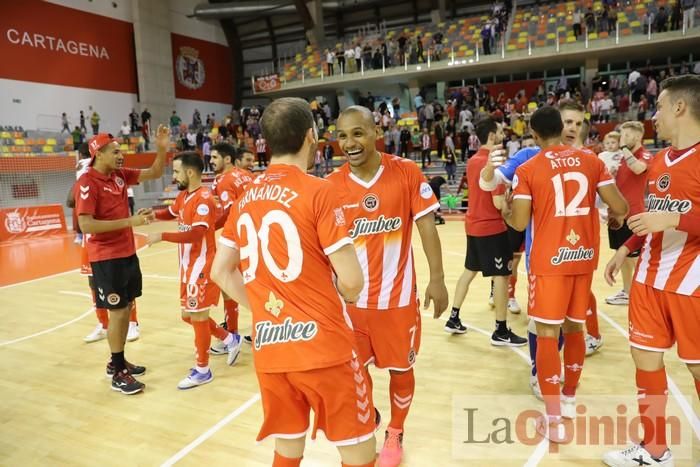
143	216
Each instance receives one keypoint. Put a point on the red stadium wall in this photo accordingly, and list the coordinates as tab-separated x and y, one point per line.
47	43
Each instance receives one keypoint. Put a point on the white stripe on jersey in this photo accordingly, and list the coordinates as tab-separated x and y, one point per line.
199	263
362	258
407	283
691	281
392	253
644	260
672	244
185	261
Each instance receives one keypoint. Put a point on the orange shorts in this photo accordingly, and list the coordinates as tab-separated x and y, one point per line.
552	299
85	267
658	319
339	396
389	338
199	296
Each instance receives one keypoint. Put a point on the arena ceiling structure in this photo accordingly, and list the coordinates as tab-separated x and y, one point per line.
262	34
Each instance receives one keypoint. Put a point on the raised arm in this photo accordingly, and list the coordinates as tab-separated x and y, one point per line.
155	171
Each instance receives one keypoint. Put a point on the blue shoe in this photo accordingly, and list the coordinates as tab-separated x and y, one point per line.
195	378
234	349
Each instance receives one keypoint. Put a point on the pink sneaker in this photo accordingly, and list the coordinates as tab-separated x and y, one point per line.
393	450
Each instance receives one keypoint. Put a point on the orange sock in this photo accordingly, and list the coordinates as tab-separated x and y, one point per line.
231	315
574	354
216	330
401	388
132	317
548	369
592	318
512	280
102	317
369	464
187	319
202	342
652	395
281	461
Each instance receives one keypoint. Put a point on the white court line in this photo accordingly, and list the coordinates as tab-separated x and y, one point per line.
541	449
41	333
211	431
682	401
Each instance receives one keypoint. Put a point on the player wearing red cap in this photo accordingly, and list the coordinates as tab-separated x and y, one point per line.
103	210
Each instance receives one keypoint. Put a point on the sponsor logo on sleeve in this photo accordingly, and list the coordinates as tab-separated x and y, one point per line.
202	209
425	191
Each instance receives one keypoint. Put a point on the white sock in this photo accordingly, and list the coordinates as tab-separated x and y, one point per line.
229	339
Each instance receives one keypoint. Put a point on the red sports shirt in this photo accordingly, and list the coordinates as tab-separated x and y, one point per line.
229	185
105	197
670	260
285	226
562	183
381	213
482	217
191	210
632	186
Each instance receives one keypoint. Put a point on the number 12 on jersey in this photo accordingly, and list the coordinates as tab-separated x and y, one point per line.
574	207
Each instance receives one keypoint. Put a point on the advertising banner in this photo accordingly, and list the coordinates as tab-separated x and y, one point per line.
34	221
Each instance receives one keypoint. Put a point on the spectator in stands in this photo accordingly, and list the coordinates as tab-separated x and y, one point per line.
196	119
612	18
340	58
590	21
473	144
662	20
146	133
642	108
125	131
358	57
145	118
519	126
404	140
395	138
513	145
65	126
439	137
606	108
429	115
577	22
450	159
77	136
648	20
261	150
330	58
486	38
652	91
82	121
191	139
420	54
426	147
349	58
377	60
328	157
134	120
95	122
175	121
206	152
688	13
676	15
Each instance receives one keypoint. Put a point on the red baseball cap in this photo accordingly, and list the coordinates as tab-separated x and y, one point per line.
99	141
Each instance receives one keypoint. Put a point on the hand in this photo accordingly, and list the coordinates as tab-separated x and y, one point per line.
154	238
497	157
615	222
162	138
437	293
143	216
650	222
614	265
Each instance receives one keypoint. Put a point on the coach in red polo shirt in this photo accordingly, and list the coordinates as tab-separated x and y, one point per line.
488	247
103	211
631	181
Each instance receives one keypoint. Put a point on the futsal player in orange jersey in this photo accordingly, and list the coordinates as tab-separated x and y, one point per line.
664	305
288	235
556	189
228	185
196	211
383	196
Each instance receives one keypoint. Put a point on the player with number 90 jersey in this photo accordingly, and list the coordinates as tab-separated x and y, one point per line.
563	182
285	225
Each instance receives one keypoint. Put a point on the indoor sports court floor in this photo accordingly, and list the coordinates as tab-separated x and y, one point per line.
58	409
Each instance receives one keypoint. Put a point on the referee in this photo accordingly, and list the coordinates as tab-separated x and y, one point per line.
103	212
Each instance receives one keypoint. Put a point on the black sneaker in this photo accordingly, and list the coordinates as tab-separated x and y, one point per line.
508	339
248	340
455	326
135	370
126	384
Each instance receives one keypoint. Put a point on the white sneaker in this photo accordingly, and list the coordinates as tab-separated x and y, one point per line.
593	344
134	332
195	378
513	306
636	455
97	334
620	298
568	407
234	349
535	388
553	429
